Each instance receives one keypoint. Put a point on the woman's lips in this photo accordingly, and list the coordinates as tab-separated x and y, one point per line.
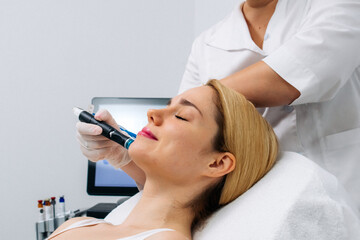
147	133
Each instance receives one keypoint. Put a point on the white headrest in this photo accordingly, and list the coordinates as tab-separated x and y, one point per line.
295	200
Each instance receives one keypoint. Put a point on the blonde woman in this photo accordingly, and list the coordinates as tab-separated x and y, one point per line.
206	148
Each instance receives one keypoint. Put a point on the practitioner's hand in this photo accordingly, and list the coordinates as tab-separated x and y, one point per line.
97	147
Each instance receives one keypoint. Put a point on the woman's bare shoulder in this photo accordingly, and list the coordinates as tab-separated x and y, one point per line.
166	235
68	223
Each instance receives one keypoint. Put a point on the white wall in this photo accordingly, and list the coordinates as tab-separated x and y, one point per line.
209	12
55	54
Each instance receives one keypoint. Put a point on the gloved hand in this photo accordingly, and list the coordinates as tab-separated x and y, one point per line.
97	147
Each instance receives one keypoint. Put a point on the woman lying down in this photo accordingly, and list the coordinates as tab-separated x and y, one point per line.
202	151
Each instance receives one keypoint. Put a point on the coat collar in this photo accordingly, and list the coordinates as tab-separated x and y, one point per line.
232	33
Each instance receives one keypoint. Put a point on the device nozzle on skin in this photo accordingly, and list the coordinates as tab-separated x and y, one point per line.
111	133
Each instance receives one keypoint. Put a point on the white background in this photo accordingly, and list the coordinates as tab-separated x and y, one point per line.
55	54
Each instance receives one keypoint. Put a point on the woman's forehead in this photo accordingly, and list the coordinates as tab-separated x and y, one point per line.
198	93
202	97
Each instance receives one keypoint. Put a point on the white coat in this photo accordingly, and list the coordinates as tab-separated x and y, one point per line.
315	46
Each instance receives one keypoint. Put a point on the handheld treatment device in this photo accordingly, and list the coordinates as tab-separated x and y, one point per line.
107	131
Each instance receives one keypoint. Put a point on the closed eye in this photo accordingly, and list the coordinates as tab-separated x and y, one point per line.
181	118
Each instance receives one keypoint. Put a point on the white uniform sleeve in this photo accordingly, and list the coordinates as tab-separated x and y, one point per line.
322	55
191	75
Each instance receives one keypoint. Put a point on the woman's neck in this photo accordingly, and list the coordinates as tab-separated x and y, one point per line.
259	11
257	14
160	210
259	3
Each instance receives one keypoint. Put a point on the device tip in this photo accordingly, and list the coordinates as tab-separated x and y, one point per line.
77	111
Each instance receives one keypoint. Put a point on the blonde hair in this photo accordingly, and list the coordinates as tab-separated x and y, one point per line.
249	137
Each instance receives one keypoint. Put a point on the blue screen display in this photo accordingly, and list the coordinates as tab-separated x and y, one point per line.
107	176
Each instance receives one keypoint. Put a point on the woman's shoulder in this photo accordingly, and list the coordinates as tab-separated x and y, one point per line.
70	222
166	235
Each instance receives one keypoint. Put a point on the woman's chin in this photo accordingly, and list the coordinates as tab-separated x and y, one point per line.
139	152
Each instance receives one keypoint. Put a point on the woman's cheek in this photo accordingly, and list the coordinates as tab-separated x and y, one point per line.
179	151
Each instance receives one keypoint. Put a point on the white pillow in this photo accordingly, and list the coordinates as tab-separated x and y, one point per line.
295	200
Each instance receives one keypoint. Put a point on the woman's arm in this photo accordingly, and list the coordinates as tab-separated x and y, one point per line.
262	86
313	64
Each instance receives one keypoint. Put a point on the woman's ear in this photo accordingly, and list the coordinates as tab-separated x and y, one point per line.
222	164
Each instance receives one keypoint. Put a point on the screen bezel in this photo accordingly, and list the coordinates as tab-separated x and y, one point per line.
111	191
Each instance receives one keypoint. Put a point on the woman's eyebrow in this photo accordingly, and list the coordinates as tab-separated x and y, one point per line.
186	103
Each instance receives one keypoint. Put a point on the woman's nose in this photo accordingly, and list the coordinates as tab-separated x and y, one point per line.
155	116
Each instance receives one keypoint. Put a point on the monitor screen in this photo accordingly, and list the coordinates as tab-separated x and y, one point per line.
130	113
